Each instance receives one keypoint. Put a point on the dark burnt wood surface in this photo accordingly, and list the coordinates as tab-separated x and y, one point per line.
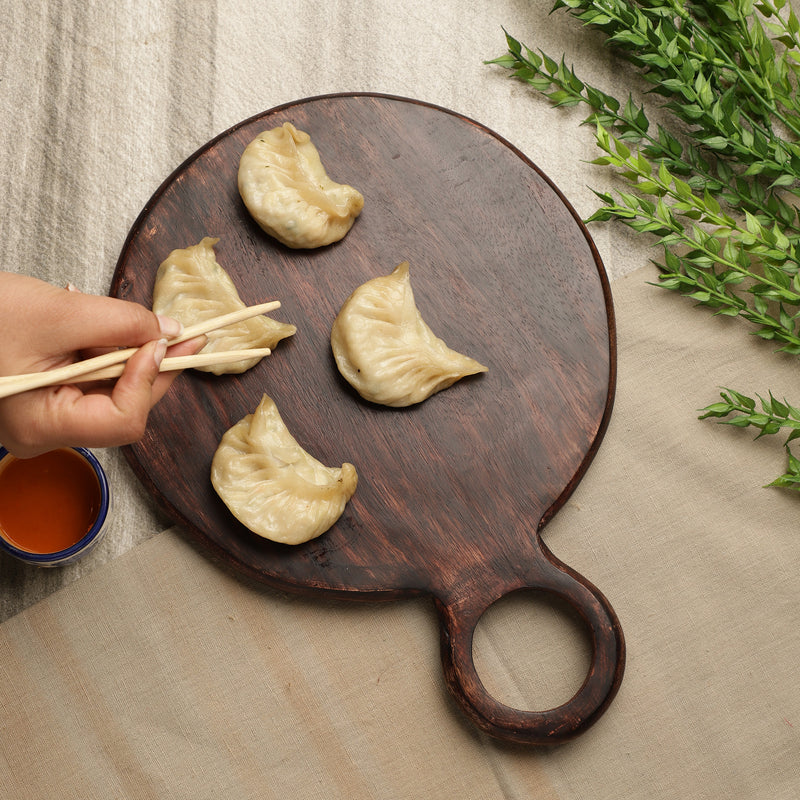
452	492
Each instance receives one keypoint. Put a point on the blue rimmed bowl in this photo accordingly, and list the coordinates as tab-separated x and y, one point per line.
88	541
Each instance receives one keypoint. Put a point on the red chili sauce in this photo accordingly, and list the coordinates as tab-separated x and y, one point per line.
47	503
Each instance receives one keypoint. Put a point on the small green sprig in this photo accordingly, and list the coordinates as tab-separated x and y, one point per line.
773	417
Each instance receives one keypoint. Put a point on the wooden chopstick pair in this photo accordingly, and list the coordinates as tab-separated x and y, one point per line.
111	365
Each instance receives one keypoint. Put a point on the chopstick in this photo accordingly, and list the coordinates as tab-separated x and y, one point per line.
172	363
89	368
215	323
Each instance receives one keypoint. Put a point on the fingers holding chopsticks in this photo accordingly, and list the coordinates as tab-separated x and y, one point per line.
107	362
126	407
44	329
146	369
104	414
116	413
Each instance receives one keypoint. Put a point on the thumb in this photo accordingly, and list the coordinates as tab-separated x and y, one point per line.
133	392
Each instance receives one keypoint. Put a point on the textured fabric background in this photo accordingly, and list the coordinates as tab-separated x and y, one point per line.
158	675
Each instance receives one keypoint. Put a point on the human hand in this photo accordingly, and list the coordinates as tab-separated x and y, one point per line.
43	327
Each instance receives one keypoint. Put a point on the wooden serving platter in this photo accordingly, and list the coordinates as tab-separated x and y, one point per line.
452	493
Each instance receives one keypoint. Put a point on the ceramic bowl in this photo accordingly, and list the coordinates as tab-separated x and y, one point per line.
101	505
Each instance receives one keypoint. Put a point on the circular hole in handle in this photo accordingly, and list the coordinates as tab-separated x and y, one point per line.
459	617
531	650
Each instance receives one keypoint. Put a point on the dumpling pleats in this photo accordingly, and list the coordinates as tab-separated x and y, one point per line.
192	287
273	486
288	193
386	351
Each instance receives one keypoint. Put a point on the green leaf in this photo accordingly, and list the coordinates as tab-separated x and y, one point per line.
737	422
715	142
778	408
742	400
506	60
622	149
716	410
786	179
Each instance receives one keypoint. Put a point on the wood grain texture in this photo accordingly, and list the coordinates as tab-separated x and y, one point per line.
453	492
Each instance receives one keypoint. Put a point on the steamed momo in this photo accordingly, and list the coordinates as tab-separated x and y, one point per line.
386	351
273	486
287	191
192	287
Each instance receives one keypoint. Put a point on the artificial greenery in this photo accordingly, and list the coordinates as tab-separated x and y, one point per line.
714	182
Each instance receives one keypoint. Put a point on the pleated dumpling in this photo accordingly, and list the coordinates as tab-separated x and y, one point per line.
273	486
386	351
287	191
192	287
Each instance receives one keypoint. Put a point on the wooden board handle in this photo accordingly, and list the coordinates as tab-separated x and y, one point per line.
459	617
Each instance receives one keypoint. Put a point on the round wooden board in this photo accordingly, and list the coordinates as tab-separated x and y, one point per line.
451	492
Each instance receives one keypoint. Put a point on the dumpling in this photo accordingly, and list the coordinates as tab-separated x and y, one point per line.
192	287
386	351
273	486
288	193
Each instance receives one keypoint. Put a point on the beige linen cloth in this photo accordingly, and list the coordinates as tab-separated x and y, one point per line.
161	675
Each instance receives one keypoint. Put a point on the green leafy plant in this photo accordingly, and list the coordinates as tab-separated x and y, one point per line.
773	417
713	184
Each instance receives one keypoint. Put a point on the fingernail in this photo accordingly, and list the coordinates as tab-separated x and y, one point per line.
71	287
170	327
160	351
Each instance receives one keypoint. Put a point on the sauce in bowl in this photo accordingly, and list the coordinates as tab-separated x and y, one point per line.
50	503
